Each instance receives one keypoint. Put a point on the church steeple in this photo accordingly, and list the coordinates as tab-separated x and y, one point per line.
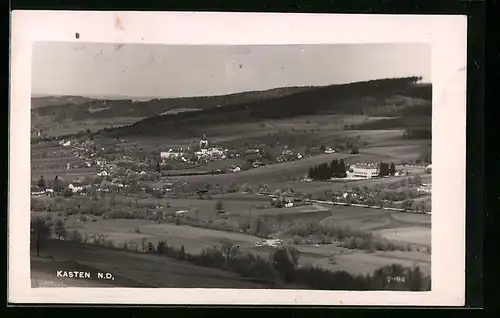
204	142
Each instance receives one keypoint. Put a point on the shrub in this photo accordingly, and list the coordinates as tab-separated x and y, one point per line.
60	229
75	236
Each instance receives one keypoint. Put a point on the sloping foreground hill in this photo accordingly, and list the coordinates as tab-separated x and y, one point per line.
129	269
362	98
80	108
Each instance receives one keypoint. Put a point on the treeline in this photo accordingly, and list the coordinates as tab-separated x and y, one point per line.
316	232
325	171
280	268
386	169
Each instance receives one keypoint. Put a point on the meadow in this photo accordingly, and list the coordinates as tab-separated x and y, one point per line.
241	208
141	270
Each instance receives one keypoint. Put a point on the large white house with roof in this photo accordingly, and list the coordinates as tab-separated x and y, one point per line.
172	154
364	170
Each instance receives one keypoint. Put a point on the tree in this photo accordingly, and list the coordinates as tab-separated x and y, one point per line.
60	229
219	207
40	231
227	249
150	247
415	279
384	169
58	186
182	252
392	169
354	150
41	182
311	173
322	147
285	261
161	247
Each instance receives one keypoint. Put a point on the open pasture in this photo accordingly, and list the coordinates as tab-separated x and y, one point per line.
134	269
64	173
415	235
266	174
406	227
195	240
219	164
396	154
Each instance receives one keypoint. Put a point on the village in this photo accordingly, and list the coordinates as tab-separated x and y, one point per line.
155	174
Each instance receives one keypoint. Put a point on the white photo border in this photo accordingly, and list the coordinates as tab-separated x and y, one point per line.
447	34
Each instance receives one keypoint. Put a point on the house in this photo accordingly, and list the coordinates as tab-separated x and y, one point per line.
428	169
425	188
103	173
364	170
216	152
235	168
75	189
257	164
286	151
171	154
202	152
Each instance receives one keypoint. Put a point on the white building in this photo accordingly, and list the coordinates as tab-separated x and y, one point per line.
425	188
215	152
235	169
364	171
202	152
103	174
171	154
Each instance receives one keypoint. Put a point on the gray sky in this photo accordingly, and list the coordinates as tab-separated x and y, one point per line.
139	70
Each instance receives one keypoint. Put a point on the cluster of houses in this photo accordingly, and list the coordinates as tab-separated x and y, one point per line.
205	152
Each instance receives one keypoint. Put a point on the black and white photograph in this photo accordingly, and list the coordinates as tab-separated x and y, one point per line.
303	167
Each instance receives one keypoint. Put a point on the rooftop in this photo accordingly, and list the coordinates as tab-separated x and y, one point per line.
366	165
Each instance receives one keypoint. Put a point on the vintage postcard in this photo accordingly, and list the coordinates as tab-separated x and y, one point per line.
230	158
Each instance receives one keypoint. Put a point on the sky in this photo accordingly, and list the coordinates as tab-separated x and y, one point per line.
155	71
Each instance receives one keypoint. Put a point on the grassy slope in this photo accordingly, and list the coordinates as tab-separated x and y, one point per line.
195	239
130	269
75	108
355	99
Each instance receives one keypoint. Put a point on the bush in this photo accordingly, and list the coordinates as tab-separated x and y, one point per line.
75	236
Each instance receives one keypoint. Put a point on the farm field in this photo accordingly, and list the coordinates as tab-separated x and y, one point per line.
266	174
64	173
280	173
373	219
409	228
66	127
195	240
141	270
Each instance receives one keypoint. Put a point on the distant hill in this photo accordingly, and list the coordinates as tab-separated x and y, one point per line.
61	108
404	99
43	101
